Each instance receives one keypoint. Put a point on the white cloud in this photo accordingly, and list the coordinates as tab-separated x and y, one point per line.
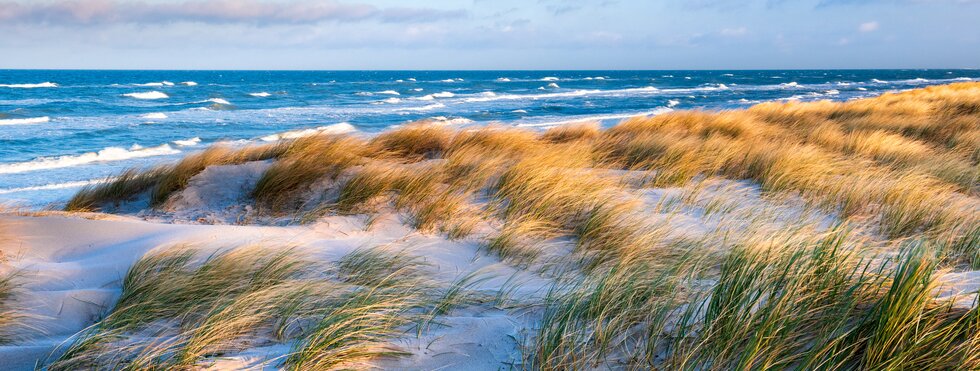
210	11
734	32
868	26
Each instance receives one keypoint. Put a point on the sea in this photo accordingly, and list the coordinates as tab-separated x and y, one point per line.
63	129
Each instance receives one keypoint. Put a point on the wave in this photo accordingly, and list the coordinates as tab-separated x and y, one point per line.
27	121
447	80
549	78
162	83
188	142
30	86
55	186
106	155
553	86
154	116
392	100
617	116
189	83
424	108
876	81
444	94
148	95
339	128
260	94
219	101
793	84
576	93
673	103
443	120
503	79
389	92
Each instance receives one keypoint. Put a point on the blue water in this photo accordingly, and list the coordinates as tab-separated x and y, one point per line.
62	129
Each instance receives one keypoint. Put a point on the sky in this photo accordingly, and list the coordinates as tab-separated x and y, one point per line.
489	34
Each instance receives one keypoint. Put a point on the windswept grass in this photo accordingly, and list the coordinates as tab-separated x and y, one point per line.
163	181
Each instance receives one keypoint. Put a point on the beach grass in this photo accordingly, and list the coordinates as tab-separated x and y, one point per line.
821	229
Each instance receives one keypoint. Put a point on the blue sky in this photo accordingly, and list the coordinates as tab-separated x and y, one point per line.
489	34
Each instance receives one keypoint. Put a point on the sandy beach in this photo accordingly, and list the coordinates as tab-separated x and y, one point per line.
690	239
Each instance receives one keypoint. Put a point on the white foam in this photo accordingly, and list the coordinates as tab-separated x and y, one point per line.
411	79
154	116
424	108
27	121
599	78
550	78
55	186
443	120
389	92
392	100
876	81
260	94
189	83
30	86
106	155
793	84
417	89
553	86
863	89
364	93
519	111
919	79
576	93
444	94
962	79
219	101
188	142
448	80
148	95
162	83
727	75
673	103
338	128
503	79
832	92
658	111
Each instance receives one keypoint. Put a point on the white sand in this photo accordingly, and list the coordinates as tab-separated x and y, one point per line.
72	266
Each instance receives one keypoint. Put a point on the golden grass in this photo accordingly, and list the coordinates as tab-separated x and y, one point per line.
163	181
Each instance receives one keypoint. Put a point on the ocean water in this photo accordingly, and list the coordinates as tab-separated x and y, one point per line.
60	130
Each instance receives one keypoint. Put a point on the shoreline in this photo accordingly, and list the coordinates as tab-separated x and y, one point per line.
483	240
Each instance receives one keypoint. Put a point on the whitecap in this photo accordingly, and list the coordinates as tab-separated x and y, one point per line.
30	86
389	92
260	94
364	93
188	142
673	103
727	75
392	100
219	101
411	79
503	79
339	128
553	86
417	89
549	78
154	116
599	78
548	124
424	108
189	83
444	94
54	186
443	120
793	84
863	89
148	95
876	81
519	111
832	92
448	80
106	155
27	121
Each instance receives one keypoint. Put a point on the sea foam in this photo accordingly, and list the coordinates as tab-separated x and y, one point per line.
148	95
27	121
261	94
106	155
339	128
30	86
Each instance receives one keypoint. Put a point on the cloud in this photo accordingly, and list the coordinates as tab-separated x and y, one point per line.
734	32
868	26
210	11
